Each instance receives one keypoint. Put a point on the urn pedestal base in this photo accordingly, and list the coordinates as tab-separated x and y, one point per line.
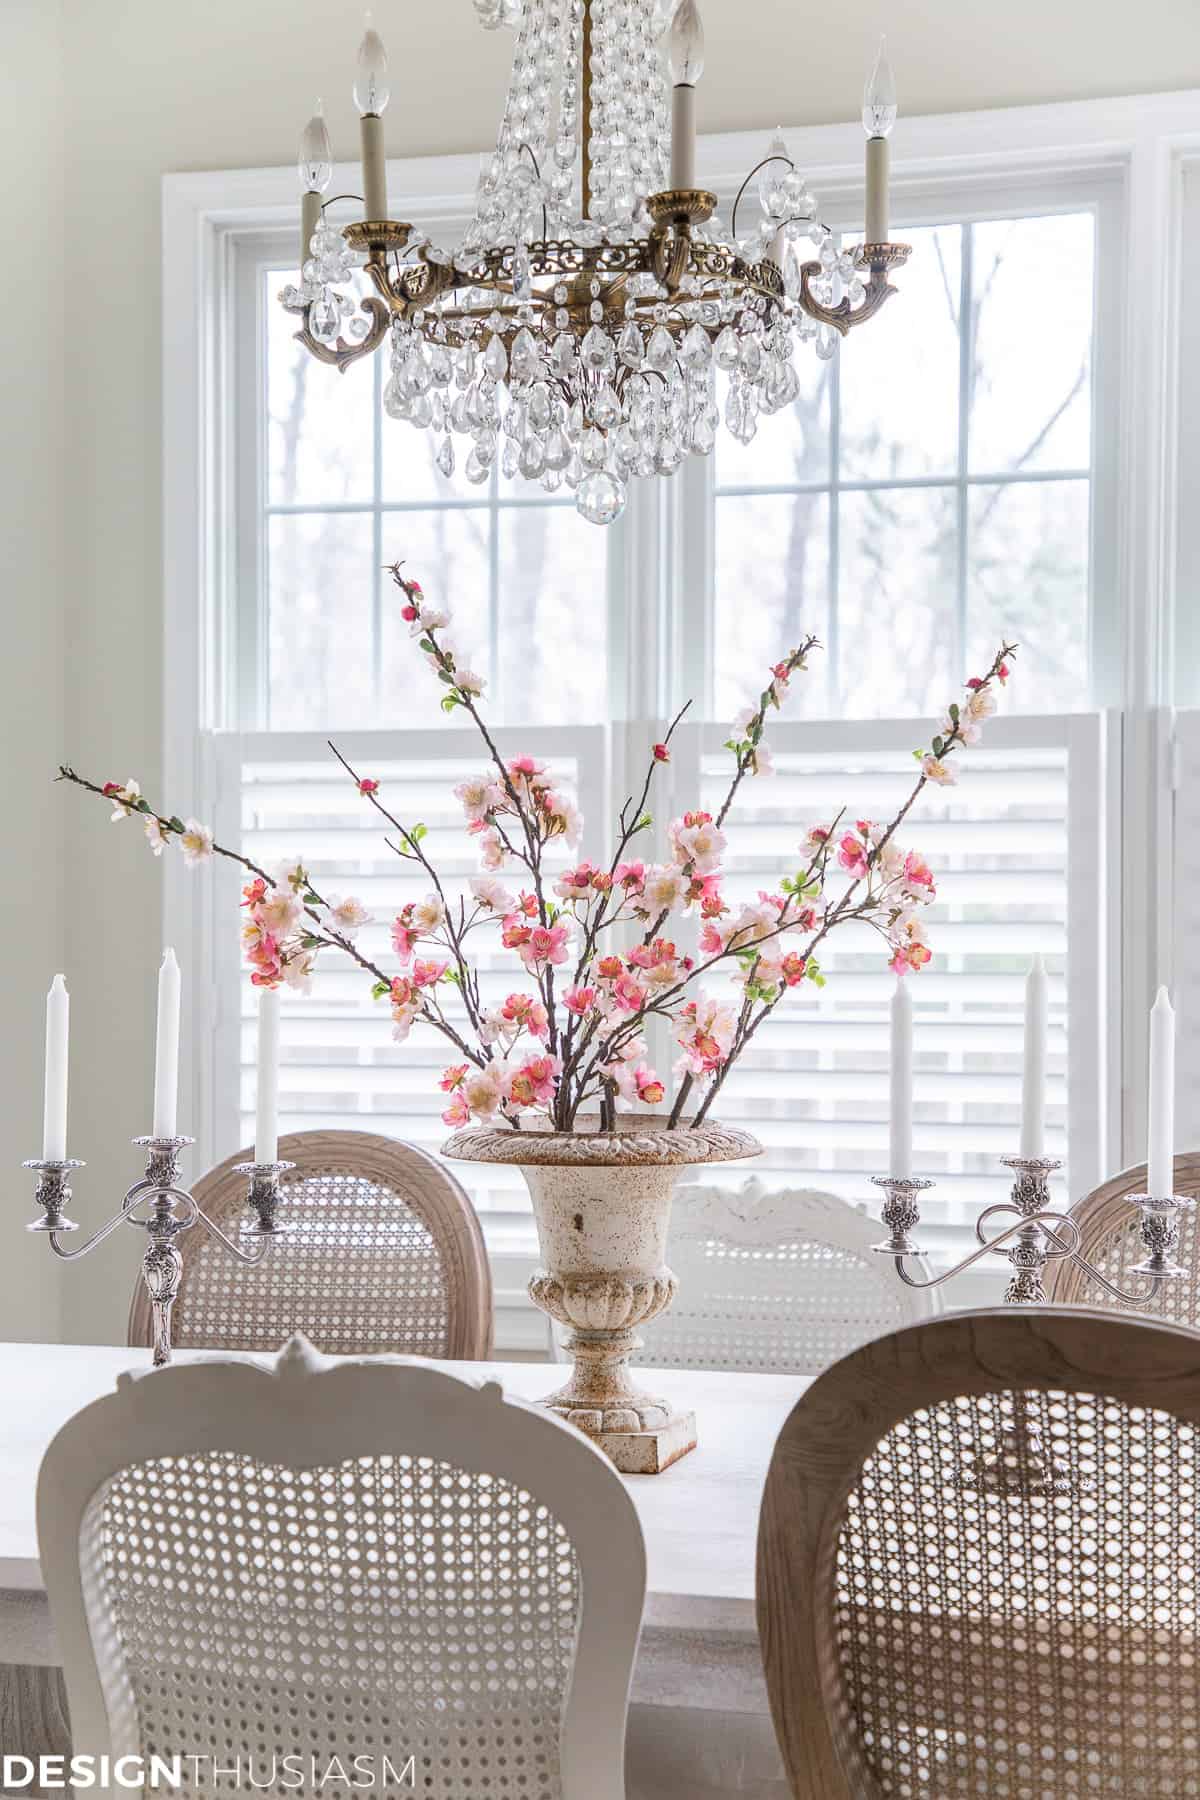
602	1202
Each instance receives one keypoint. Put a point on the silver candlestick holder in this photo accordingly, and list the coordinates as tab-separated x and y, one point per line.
168	1212
1037	1235
1024	1460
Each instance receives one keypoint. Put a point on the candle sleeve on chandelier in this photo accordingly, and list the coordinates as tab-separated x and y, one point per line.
878	117
371	95
315	163
687	66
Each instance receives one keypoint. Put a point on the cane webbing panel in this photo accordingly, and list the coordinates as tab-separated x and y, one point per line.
357	1270
387	1607
1026	1644
1118	1253
787	1308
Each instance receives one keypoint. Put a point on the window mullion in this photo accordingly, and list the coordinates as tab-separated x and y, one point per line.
966	325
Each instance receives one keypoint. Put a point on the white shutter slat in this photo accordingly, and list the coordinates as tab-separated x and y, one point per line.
339	1066
813	1085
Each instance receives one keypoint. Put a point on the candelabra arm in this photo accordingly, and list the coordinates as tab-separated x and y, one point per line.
250	1257
878	259
97	1237
1042	1219
1110	1287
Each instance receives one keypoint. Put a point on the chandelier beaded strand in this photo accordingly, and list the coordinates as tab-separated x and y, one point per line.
575	335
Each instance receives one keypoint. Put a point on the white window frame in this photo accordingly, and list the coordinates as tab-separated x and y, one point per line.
1128	155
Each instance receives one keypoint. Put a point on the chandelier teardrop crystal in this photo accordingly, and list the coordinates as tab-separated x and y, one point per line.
577	332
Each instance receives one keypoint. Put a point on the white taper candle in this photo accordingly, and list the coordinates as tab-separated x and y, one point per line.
54	1110
1160	1171
166	1047
266	1119
683	136
878	160
901	1082
1033	1072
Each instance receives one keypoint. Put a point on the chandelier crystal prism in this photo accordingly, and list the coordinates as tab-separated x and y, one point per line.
576	333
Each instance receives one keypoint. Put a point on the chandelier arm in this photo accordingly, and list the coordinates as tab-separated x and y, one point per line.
766	161
528	149
342	354
843	317
334	198
994	1245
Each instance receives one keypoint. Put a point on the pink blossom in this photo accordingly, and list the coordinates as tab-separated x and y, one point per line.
453	1077
535	1082
934	769
852	854
457	1113
492	893
403	991
917	873
629	993
712	939
792	968
576	884
483	1090
650	1090
579	1000
697	842
404	938
631	876
527	1013
546	944
346	916
368	786
428	971
661	753
610	968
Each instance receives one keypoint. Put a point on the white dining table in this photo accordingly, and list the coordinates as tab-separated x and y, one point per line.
698	1724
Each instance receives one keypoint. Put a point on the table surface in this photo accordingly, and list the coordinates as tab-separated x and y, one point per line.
700	1517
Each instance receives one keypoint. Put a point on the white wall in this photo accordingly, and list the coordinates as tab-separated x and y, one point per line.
152	87
34	524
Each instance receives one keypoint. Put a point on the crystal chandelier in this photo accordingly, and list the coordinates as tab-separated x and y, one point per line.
576	333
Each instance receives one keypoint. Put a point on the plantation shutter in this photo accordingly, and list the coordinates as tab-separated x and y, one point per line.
1017	851
339	1067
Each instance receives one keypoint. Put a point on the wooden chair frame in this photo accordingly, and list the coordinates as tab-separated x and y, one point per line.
1102	1215
305	1412
837	1424
431	1190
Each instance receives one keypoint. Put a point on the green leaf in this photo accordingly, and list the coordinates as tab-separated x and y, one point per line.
644	823
446	676
732	744
939	744
308	941
427	644
379	989
418	832
141	806
452	975
174	824
449	702
918	756
817	980
954	711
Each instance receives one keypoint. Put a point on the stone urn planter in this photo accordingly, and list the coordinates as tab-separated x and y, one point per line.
602	1204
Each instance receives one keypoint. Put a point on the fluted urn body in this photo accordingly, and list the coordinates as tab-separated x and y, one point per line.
602	1206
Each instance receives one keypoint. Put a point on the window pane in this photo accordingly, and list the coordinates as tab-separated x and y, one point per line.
553	621
409	471
899	372
447	552
789	446
319	597
897	633
320	424
772	589
1028	582
1031	367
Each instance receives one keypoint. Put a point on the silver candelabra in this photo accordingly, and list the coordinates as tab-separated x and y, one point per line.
170	1211
1039	1234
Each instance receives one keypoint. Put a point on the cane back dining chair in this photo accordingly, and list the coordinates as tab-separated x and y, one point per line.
978	1564
1110	1237
372	1558
381	1251
774	1283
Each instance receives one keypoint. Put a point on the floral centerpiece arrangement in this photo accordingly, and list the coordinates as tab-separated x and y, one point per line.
541	1079
596	942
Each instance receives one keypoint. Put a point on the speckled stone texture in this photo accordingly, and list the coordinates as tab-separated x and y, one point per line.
602	1205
